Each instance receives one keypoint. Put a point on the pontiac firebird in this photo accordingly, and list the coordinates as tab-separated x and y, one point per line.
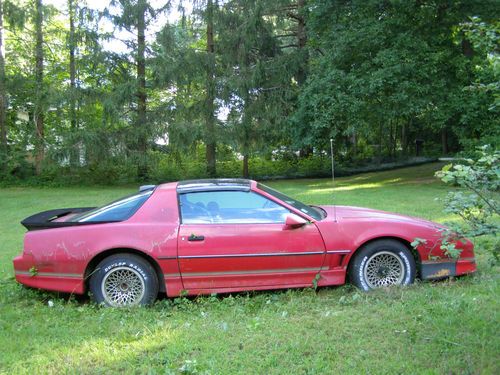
225	235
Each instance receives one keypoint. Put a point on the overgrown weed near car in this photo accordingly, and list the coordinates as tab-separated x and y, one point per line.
440	327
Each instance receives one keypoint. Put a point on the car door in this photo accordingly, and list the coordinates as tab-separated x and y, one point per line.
238	239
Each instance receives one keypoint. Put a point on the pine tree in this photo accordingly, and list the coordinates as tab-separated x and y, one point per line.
210	92
3	91
252	75
135	17
72	78
40	89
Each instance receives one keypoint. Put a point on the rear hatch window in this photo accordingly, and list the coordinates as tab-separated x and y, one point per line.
119	210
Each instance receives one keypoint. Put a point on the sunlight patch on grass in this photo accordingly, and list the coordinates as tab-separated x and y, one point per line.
357	187
109	339
327	185
113	352
344	188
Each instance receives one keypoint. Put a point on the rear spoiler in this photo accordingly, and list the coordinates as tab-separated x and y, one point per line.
45	219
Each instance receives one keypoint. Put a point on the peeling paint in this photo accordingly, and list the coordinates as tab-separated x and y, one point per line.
157	245
62	246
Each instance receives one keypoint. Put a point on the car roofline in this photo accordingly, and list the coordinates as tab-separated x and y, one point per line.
217	184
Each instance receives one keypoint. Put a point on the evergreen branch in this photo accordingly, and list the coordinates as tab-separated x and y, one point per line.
290	45
295	17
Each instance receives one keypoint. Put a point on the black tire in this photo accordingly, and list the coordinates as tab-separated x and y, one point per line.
382	263
122	280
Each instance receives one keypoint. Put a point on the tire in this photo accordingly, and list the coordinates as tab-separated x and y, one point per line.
123	280
382	263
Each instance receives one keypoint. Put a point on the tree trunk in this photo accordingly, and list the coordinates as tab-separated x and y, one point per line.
467	49
72	82
380	135
302	42
246	123
210	95
3	93
39	111
354	143
305	151
444	141
141	125
391	139
404	137
245	166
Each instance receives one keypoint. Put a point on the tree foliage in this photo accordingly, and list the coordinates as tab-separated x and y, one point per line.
127	89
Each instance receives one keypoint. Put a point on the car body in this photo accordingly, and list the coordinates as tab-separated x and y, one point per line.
225	235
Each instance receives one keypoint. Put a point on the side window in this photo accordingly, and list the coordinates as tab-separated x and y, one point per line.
229	207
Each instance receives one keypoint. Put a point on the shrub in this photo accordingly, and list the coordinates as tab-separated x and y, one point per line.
477	202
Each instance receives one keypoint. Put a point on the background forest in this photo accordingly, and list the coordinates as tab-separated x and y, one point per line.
151	90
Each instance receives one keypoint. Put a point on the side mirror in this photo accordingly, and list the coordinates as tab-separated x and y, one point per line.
294	221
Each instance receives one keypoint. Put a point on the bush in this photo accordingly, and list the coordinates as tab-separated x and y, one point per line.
477	203
165	165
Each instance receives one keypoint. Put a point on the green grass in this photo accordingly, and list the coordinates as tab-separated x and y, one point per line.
448	327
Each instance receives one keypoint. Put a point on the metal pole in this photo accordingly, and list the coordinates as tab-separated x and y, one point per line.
333	166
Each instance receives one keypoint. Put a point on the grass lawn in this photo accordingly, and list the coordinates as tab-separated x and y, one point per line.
449	327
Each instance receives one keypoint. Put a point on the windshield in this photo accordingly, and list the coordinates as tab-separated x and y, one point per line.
308	210
119	210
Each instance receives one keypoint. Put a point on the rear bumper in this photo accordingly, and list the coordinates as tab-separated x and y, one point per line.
27	275
431	270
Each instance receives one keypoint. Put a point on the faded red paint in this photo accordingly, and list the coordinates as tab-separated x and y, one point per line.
58	259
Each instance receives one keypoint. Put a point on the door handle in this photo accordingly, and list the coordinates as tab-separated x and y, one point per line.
194	237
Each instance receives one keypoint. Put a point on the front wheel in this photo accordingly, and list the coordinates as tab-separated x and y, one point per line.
382	263
123	280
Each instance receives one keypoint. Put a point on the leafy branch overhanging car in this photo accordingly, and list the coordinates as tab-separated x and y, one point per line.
225	235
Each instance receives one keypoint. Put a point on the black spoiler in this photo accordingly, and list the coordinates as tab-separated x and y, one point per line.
44	220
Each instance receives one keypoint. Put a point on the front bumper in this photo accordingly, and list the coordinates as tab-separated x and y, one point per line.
432	270
27	274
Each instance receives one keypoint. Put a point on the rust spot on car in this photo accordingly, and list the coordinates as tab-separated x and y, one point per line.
441	273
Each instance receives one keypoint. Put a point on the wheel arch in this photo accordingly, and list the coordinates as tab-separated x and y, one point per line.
416	255
106	253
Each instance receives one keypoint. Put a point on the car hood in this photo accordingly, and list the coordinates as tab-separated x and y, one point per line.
343	213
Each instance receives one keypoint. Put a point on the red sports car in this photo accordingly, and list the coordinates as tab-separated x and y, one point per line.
224	235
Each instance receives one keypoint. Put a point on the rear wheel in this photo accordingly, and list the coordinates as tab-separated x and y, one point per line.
382	263
124	280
